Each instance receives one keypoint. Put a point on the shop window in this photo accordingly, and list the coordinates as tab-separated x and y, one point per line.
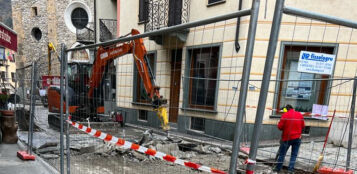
197	123
2	53
79	18
202	80
143	115
300	94
13	77
143	11
140	95
3	75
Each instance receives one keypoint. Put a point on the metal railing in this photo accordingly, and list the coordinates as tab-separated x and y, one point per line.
86	34
164	14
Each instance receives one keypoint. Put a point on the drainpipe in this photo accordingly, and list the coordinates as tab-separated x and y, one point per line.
236	43
95	21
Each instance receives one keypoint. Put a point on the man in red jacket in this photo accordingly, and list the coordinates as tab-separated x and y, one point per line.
291	123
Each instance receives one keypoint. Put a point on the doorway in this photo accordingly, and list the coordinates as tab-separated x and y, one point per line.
176	59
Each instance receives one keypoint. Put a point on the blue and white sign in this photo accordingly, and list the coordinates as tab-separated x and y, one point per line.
316	63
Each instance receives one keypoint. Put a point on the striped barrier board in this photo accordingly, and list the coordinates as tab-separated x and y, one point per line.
128	145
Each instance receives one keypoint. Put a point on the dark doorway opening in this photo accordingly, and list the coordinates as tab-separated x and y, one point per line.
176	59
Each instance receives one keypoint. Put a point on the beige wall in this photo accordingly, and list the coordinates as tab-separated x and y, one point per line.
292	29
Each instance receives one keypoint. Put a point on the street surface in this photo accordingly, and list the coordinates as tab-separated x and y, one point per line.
92	155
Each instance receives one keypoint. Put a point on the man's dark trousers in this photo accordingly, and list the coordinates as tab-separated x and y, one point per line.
284	147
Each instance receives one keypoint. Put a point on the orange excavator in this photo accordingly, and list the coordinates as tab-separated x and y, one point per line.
85	84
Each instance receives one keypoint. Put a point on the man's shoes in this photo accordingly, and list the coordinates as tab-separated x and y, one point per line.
275	170
291	172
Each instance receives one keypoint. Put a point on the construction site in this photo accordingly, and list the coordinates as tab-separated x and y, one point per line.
182	86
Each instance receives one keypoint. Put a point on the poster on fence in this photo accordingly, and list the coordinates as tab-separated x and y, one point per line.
319	111
316	63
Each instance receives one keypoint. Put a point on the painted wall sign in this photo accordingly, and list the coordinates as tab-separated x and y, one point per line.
8	38
316	63
50	80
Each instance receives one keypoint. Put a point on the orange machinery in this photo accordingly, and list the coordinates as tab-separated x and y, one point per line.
84	90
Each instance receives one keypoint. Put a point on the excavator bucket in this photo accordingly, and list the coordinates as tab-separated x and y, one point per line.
162	114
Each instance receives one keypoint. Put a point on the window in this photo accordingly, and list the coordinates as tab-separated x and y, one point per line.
300	94
306	130
79	18
13	77
143	10
140	95
202	80
3	76
143	115
36	33
34	11
212	2
197	123
2	53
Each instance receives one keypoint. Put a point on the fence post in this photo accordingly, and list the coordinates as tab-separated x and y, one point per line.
32	106
61	109
68	155
244	85
352	118
275	28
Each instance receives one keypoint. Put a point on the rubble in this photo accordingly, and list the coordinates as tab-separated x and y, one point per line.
51	149
81	148
49	156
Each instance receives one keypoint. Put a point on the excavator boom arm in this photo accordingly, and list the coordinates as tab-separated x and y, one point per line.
137	48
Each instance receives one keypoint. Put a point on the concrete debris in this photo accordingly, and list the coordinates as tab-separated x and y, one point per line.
51	149
214	149
187	146
167	148
147	137
40	139
83	148
175	139
49	156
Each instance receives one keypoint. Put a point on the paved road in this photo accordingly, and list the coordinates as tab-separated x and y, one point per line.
10	163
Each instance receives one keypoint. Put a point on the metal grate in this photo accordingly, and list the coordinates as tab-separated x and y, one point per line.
108	29
86	34
166	13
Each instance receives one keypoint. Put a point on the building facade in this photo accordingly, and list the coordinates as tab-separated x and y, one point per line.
209	107
40	22
8	48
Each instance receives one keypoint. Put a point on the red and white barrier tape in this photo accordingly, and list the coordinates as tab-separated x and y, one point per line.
141	149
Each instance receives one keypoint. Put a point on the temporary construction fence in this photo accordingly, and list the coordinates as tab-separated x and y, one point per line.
211	75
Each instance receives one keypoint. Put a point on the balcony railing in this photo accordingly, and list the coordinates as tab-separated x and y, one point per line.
86	34
108	29
165	13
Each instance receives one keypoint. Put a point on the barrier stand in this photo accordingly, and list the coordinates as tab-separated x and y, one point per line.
27	155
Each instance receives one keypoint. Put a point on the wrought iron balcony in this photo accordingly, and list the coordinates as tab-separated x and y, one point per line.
86	34
165	13
108	29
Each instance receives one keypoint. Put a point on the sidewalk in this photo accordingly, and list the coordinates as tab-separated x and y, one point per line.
10	163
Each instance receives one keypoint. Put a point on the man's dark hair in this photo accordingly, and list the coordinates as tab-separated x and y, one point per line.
288	107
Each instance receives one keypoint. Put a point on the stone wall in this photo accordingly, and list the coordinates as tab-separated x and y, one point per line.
50	20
